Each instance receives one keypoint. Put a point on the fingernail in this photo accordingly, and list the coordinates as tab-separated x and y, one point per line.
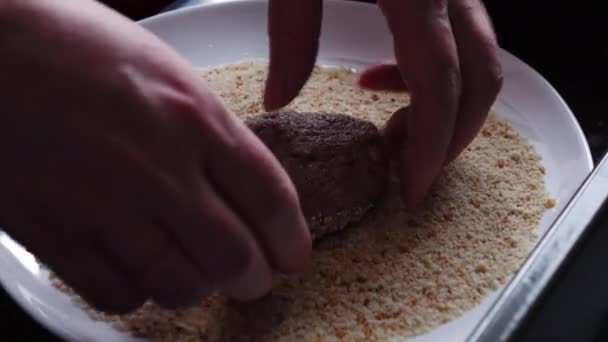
253	283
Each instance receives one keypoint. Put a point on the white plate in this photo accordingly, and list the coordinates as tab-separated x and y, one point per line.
354	34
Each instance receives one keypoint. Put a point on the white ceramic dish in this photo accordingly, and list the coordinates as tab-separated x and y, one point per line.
354	34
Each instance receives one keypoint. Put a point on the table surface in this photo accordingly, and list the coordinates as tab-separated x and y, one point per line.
565	43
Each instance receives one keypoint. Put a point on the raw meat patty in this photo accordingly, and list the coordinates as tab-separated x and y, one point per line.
336	162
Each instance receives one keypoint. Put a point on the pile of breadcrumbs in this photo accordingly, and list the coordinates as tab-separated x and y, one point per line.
397	274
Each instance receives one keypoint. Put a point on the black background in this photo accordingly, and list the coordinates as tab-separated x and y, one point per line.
567	43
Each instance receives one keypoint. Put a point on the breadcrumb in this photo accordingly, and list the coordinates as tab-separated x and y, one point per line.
399	273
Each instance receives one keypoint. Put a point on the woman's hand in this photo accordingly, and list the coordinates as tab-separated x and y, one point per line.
446	53
124	173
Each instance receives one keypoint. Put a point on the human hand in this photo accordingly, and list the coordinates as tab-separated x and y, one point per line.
125	174
446	53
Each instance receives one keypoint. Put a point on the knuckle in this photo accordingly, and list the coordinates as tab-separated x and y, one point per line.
152	250
495	76
441	5
489	76
446	76
178	102
443	79
162	93
422	6
467	6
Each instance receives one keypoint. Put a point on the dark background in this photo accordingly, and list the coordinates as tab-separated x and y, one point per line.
567	43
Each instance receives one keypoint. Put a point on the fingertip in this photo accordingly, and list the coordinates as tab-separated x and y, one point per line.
415	182
382	77
269	106
294	28
285	80
406	186
299	261
253	283
273	100
395	130
454	152
367	76
296	246
412	194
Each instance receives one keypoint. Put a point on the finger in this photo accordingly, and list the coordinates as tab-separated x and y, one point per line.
243	287
294	27
72	256
395	132
74	259
480	67
426	54
174	281
221	244
261	192
149	255
382	77
98	282
395	135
